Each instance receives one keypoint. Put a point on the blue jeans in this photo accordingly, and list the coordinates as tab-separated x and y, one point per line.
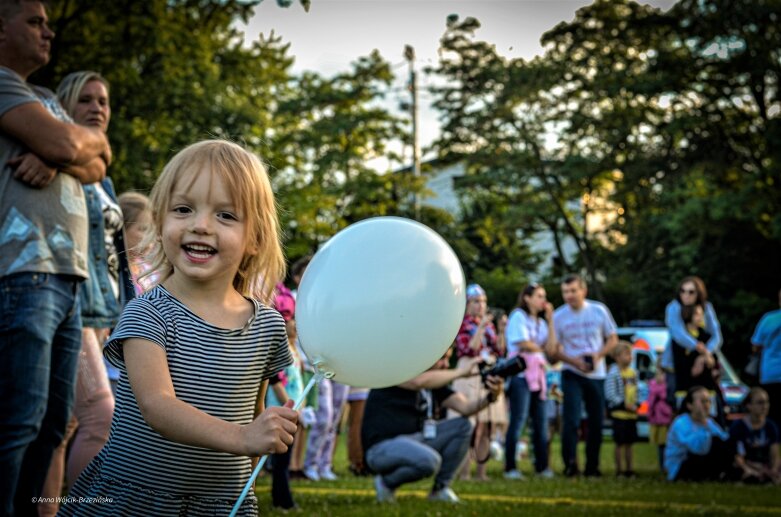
40	340
410	457
524	403
579	390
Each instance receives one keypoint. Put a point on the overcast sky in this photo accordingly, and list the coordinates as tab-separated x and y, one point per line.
334	33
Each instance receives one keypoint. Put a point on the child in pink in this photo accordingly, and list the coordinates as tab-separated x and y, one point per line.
660	414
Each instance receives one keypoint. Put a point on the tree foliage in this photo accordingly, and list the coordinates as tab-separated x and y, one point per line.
651	139
181	71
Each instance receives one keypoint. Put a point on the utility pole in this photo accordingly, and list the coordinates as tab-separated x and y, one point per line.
409	54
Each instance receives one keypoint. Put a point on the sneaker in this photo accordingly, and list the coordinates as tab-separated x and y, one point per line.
328	475
311	474
444	494
546	474
384	494
513	474
497	451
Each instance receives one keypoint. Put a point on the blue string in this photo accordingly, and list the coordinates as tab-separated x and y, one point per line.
314	380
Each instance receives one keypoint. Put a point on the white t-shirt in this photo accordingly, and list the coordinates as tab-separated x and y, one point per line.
522	327
584	332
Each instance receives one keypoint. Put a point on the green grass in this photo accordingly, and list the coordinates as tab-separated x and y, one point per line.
648	494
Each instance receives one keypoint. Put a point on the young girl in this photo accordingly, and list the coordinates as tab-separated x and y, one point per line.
195	350
138	220
287	385
660	413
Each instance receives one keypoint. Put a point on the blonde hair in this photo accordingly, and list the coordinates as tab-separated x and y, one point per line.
621	347
70	87
132	204
263	265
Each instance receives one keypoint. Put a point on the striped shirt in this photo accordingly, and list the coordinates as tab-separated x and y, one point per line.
216	370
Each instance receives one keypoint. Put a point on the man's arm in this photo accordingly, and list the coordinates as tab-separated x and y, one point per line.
57	142
459	403
30	169
432	379
555	353
610	343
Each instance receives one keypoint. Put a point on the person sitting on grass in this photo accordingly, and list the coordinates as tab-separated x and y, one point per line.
698	449
404	443
756	438
621	396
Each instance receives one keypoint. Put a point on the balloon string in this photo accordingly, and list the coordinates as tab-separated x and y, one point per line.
319	376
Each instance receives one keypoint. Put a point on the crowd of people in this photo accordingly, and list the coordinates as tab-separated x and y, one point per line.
131	372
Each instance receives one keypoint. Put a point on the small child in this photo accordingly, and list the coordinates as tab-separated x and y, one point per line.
137	222
287	385
621	396
660	413
705	368
194	351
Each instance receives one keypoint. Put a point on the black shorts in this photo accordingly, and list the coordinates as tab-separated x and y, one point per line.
624	431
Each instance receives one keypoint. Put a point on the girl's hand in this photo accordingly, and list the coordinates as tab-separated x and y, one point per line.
548	311
272	432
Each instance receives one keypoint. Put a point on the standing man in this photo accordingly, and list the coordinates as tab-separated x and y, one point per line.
585	334
43	246
767	337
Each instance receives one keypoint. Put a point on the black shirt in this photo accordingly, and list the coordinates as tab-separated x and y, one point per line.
754	444
396	411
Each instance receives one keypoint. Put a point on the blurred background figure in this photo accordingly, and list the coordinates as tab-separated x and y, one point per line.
529	330
756	439
85	96
477	339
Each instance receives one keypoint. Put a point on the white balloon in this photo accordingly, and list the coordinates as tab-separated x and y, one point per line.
380	302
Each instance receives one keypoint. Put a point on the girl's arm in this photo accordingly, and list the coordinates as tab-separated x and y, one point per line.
550	345
280	393
713	327
147	366
528	346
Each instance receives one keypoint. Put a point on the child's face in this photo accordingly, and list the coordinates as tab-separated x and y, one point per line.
698	316
203	234
624	358
292	331
659	375
135	231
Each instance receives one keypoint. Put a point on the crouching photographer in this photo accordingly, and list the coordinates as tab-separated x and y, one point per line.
403	440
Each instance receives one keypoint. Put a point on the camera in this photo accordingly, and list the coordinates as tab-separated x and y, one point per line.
502	368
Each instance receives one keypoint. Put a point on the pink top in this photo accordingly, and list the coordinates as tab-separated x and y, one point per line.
535	372
659	411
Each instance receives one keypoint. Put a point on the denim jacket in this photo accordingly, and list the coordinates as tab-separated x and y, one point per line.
99	306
